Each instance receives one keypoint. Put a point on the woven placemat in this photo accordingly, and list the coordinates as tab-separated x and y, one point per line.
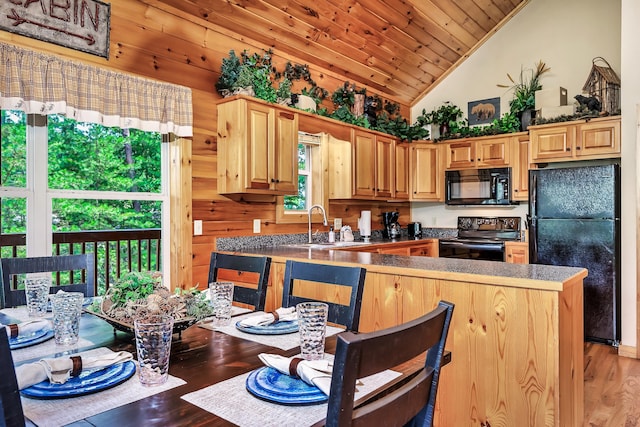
58	412
230	400
283	342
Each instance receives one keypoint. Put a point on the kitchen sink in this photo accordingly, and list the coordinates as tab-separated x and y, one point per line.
326	245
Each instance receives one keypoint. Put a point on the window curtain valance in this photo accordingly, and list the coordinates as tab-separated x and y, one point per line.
45	84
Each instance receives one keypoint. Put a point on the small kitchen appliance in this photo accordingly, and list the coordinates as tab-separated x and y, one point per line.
391	228
415	230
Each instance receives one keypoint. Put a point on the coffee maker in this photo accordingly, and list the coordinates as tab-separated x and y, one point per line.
391	228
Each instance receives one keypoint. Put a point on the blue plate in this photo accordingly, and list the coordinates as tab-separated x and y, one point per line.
277	328
269	384
37	337
90	381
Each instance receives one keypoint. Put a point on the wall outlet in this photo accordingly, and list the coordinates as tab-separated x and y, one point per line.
337	224
256	225
197	227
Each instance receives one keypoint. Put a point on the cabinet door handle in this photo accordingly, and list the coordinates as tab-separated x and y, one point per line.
577	148
567	149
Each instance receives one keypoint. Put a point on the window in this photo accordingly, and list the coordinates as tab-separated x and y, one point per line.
300	202
62	176
293	209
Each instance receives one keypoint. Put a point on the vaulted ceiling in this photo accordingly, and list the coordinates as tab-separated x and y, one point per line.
400	48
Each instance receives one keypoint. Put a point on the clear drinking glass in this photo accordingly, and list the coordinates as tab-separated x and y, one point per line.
66	307
153	344
36	289
312	324
221	294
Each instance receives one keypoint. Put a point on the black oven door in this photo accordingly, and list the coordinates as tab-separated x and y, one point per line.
487	251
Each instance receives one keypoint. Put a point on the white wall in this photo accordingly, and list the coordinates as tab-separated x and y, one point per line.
566	35
630	90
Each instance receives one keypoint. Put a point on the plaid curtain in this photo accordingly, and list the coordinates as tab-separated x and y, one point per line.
45	84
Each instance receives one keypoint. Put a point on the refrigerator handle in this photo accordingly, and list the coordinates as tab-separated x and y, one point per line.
533	217
533	241
533	194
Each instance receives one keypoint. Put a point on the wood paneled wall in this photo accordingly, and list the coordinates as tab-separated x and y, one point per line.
176	48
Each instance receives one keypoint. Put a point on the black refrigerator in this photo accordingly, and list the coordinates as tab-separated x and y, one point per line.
574	220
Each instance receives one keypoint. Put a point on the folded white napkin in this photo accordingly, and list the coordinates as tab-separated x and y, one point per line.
58	370
263	319
313	372
29	327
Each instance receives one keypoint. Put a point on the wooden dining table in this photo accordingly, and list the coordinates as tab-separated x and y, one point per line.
201	357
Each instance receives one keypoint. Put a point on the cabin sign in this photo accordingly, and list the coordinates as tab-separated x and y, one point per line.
78	24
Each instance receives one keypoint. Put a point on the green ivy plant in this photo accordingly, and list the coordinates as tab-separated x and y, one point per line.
316	92
345	95
508	123
343	113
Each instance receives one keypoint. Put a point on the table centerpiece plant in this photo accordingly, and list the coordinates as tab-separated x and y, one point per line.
137	294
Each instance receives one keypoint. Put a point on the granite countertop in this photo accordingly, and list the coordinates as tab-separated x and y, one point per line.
534	276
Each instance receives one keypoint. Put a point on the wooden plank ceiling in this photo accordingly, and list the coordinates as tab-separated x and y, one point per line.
399	48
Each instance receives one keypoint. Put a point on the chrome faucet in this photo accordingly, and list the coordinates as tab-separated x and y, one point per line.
324	219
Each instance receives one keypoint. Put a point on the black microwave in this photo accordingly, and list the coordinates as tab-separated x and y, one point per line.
478	187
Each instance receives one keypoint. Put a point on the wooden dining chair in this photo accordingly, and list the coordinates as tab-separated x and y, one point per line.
361	355
249	274
313	277
82	264
11	414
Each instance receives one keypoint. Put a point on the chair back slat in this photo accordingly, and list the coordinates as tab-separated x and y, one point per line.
297	272
11	414
361	355
83	263
250	275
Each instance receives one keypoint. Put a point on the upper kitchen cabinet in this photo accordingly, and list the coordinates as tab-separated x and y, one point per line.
582	140
520	167
427	172
402	172
257	148
491	151
373	165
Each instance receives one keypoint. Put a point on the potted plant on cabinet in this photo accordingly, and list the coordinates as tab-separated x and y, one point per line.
523	103
446	116
249	74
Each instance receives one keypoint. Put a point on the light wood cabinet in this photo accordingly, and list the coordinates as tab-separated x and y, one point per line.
427	172
520	168
481	152
581	140
373	165
516	252
526	333
402	169
257	148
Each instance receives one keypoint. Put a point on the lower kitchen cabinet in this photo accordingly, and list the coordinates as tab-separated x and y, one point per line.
516	252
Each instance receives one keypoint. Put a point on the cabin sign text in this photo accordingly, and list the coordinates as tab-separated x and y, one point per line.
78	24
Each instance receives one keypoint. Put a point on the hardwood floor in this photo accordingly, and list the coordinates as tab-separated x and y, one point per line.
611	388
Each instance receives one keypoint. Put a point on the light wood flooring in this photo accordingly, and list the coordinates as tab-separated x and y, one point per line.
611	388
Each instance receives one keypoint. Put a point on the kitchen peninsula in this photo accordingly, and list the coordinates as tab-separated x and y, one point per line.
516	336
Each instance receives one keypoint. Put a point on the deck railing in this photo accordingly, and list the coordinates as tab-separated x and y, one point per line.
115	251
